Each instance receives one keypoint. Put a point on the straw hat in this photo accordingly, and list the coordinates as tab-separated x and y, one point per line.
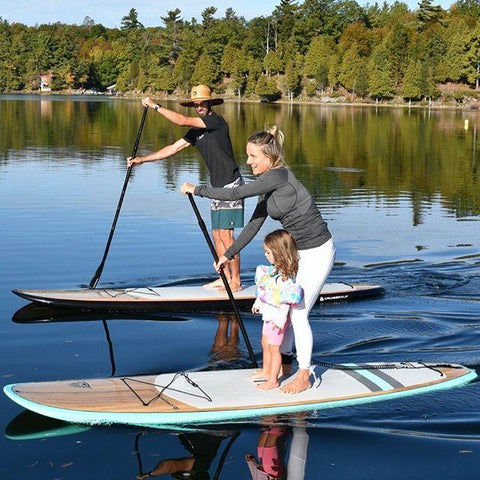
201	93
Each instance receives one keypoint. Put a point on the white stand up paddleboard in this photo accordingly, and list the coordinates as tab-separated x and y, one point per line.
175	298
213	396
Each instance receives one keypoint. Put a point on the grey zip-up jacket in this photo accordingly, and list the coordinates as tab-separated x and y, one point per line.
282	197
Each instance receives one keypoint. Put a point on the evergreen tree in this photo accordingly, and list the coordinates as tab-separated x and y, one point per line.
205	71
351	68
266	87
284	16
272	63
380	74
427	14
172	21
470	8
318	59
472	67
397	44
130	21
412	82
292	79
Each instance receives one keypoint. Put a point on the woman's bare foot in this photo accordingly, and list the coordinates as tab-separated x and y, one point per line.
268	385
299	384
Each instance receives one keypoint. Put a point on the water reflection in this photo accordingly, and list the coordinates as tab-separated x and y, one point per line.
202	449
336	151
31	426
272	463
225	346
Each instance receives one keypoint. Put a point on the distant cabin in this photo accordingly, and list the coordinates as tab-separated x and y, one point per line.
46	82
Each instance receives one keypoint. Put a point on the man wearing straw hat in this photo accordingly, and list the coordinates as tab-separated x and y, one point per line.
209	132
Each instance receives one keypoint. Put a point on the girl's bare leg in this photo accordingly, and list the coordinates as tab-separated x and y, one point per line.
275	365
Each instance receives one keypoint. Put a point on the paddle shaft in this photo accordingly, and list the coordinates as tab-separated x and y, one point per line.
203	227
98	273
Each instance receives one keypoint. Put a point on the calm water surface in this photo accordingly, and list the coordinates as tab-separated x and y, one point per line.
400	191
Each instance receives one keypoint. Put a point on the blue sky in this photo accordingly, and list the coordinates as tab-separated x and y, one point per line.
109	13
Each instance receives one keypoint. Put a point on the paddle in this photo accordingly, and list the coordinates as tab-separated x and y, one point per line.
203	227
96	277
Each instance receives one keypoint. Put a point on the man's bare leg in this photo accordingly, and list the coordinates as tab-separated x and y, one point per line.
233	276
220	249
224	239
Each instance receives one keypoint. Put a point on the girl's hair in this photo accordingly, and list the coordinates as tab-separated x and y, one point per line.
284	252
271	142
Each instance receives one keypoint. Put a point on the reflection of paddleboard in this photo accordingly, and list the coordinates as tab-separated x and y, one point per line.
199	397
38	313
174	298
31	426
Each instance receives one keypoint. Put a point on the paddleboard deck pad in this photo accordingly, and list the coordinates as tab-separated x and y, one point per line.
225	395
175	298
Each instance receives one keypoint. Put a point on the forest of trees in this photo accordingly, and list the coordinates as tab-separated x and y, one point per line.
318	48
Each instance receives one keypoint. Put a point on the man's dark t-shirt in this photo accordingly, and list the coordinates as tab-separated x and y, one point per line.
216	149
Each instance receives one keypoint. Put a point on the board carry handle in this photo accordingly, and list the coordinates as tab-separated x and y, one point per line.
203	227
98	273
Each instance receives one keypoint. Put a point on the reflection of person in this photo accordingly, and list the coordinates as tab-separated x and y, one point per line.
282	197
271	452
203	449
209	132
225	345
276	291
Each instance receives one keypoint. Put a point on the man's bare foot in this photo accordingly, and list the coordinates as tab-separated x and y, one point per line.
234	287
268	385
299	384
259	375
217	283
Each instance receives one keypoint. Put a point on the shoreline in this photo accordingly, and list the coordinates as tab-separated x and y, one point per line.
473	105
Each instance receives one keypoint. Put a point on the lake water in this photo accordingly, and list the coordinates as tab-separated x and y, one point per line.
400	190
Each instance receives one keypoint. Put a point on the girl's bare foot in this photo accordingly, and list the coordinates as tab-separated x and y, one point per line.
268	385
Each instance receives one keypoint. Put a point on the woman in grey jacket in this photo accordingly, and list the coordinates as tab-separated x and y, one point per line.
282	197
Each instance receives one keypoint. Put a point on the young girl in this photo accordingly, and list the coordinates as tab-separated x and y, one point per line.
276	291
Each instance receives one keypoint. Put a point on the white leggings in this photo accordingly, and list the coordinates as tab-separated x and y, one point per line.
313	269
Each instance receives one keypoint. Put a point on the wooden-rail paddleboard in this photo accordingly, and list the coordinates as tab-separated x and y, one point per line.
175	298
225	395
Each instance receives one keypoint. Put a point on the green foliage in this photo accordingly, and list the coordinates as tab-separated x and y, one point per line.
380	74
412	83
272	63
266	86
205	71
319	59
329	43
130	21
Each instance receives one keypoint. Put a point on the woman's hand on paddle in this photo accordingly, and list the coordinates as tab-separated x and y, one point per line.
222	261
187	188
134	161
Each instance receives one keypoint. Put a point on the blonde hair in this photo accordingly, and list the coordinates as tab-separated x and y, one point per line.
271	143
284	251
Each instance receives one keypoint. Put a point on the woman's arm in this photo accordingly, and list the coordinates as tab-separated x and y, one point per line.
251	229
267	182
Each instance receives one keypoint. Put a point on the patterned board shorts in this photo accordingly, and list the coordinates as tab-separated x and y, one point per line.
227	214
